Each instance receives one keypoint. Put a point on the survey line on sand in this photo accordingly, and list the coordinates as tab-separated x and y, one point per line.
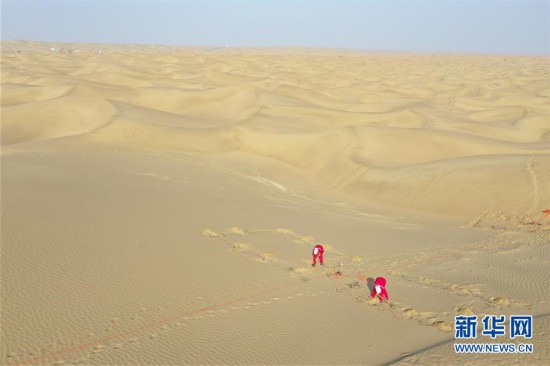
162	321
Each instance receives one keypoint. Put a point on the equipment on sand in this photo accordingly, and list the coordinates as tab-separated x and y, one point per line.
546	214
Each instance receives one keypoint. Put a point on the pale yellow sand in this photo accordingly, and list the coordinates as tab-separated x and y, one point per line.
159	204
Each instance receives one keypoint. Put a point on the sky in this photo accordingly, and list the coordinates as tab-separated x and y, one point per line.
484	26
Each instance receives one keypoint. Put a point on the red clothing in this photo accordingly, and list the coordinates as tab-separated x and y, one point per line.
318	254
383	295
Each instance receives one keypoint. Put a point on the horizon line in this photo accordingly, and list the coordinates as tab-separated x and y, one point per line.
227	46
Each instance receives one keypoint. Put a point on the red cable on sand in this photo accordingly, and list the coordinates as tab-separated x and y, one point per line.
546	214
157	323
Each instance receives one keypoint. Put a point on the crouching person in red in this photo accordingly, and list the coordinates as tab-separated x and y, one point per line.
379	289
318	253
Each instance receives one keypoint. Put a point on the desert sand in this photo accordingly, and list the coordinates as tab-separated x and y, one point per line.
159	204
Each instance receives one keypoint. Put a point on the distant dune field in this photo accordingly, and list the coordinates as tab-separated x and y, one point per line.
159	204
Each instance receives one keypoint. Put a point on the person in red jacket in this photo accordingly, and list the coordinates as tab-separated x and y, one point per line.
318	253
379	289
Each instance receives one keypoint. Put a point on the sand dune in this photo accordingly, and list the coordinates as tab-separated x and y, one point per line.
58	117
159	204
373	114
